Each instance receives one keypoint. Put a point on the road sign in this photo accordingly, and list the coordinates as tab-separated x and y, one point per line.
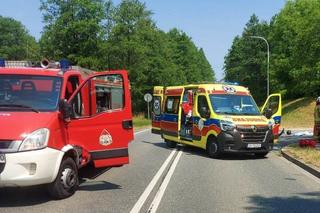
148	97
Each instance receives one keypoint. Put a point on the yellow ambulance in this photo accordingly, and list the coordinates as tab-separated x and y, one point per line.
219	118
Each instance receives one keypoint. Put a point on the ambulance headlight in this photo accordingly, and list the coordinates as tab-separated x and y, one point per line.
227	125
271	124
38	139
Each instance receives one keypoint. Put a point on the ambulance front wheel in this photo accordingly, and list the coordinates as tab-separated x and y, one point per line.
213	148
67	180
171	144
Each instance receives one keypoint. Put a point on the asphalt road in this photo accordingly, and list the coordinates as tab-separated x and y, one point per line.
159	179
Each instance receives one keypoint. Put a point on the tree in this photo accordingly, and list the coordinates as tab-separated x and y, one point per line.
15	41
246	59
191	62
296	42
74	30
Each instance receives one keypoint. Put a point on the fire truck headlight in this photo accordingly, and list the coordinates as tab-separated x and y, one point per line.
38	139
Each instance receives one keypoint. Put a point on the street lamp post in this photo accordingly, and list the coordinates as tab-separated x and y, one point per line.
268	56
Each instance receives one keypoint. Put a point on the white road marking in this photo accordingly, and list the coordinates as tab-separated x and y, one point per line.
157	199
137	133
137	207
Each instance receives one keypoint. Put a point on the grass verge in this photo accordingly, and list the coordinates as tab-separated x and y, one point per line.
298	113
140	122
307	155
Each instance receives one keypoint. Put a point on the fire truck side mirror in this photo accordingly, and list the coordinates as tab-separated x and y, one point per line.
65	109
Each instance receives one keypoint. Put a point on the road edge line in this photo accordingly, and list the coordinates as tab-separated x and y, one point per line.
143	197
301	164
141	131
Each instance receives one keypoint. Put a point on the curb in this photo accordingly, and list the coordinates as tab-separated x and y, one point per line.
301	164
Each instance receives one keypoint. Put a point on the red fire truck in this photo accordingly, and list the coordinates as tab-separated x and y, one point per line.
54	121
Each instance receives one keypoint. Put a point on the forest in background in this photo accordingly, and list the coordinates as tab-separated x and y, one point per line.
98	35
294	38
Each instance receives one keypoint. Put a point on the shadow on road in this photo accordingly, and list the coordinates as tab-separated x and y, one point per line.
304	202
226	156
158	144
26	196
189	150
29	196
98	186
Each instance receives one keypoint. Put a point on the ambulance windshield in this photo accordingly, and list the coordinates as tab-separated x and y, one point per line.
234	104
29	93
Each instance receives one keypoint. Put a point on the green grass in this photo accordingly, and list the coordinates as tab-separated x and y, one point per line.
140	122
298	113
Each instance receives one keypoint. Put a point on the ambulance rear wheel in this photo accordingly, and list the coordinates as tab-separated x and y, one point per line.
171	144
67	180
213	148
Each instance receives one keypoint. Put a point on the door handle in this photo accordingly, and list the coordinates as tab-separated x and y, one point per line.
127	124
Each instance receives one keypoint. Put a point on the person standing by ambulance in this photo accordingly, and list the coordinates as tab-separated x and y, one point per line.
187	111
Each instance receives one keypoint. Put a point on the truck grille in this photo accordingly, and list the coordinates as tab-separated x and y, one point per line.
8	146
252	134
5	144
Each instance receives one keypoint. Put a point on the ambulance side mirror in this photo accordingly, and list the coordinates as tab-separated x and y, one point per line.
268	113
205	112
65	109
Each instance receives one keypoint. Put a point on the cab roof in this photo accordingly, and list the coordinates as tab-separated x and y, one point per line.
43	71
214	88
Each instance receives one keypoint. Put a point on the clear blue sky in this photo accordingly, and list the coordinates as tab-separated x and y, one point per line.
212	24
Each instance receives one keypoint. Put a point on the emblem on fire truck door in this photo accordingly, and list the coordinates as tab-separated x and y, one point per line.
105	138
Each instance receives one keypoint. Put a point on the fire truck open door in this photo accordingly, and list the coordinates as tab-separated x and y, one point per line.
101	121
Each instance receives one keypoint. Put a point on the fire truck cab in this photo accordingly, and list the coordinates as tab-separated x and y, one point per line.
216	117
55	121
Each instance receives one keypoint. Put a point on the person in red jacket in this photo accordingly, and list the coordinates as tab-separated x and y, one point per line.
187	107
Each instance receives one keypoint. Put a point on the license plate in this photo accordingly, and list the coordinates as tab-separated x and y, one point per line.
254	145
2	158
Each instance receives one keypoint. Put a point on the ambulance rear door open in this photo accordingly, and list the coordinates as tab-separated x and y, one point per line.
157	105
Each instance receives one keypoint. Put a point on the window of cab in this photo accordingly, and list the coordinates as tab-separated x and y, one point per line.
99	94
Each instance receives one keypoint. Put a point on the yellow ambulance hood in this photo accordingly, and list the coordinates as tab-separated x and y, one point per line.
259	120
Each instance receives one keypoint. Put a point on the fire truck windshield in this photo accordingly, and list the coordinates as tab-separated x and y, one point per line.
234	104
29	93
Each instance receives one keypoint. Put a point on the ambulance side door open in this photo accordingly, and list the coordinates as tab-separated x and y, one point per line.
203	113
273	107
101	121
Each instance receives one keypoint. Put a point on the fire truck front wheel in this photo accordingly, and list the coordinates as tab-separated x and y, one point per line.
67	180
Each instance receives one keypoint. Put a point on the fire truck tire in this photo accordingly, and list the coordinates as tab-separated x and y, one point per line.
261	154
171	144
67	180
213	148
